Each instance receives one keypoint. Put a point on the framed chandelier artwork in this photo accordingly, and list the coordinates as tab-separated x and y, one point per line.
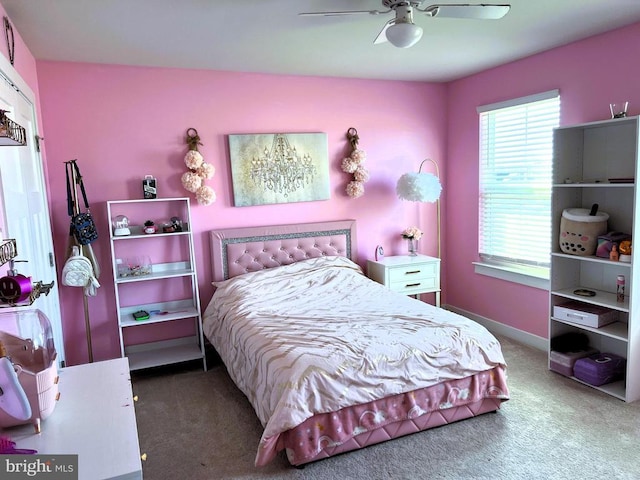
272	168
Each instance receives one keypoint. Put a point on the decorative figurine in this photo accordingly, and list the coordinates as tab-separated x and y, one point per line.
614	255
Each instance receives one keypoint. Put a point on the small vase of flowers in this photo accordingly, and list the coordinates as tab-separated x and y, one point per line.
412	235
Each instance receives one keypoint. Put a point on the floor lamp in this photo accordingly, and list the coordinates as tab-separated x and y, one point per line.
422	187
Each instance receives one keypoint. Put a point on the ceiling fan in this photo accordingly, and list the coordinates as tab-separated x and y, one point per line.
402	32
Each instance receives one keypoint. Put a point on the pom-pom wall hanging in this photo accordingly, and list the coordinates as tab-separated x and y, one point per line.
354	164
199	171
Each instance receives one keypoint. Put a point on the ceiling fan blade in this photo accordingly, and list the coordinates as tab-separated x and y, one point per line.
344	12
382	36
481	11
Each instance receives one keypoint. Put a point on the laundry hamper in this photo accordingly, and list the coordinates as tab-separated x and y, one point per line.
27	340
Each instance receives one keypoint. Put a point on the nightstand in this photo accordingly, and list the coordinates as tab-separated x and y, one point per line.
407	275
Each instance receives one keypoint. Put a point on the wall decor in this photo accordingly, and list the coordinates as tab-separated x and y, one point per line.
354	164
279	168
199	171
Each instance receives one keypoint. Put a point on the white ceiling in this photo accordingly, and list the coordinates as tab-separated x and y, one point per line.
268	36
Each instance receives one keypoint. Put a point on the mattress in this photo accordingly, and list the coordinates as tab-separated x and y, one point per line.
318	337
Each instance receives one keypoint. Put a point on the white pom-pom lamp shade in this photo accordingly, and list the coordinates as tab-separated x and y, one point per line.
422	187
419	187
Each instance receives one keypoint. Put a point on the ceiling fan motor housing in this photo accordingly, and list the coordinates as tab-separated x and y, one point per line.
393	4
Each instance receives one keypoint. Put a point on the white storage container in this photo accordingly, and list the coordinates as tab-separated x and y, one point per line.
584	314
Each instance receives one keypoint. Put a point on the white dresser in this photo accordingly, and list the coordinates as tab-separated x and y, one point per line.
407	275
94	419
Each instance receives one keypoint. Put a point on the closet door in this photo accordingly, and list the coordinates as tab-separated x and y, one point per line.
24	208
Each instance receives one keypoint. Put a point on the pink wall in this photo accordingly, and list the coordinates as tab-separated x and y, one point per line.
122	123
589	74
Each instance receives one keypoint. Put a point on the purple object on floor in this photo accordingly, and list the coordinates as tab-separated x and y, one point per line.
600	368
8	447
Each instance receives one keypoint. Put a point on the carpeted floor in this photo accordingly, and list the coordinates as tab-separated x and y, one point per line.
198	425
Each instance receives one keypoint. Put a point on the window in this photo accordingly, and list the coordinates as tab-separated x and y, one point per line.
516	151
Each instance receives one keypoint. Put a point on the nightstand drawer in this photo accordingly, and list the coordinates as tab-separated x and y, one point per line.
415	285
413	273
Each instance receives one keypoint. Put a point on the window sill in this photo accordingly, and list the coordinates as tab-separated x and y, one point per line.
531	277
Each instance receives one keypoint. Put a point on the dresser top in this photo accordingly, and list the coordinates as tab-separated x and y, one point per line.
404	260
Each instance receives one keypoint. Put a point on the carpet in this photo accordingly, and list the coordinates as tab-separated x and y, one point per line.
198	425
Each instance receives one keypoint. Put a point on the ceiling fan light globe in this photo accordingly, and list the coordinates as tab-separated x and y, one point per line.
404	35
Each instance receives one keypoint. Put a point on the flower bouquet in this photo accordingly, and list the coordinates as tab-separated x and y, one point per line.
412	234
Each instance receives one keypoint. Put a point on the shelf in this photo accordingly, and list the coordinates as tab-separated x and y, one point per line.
604	299
156	354
134	236
149	201
594	185
591	258
159	271
126	319
616	330
615	389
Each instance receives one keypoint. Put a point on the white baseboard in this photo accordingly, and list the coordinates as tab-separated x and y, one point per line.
501	329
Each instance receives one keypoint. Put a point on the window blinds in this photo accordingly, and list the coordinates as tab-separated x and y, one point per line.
516	151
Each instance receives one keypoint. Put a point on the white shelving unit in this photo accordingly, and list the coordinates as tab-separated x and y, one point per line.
586	158
167	288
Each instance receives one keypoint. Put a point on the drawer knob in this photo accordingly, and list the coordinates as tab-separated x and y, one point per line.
412	285
412	272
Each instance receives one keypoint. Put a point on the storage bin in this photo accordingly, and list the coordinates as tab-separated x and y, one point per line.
579	230
563	362
585	314
600	368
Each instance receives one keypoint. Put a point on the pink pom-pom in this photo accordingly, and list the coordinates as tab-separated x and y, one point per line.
355	189
361	174
206	171
205	195
193	159
191	181
349	165
359	156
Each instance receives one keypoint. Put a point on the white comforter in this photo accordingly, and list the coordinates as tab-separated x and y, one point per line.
317	336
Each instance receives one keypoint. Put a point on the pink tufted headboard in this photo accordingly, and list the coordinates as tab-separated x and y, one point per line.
235	251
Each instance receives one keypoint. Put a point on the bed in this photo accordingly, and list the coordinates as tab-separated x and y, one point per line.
330	360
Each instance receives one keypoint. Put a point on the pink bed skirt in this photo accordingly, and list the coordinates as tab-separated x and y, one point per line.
328	434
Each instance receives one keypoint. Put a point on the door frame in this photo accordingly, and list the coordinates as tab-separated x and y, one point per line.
12	76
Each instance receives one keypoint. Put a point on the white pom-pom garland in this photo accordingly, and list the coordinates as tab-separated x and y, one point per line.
191	181
205	195
354	164
206	171
355	189
193	159
199	171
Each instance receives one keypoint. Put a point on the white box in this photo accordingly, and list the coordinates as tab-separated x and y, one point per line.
585	314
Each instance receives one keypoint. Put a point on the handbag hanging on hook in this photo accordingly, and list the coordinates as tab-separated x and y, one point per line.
82	226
